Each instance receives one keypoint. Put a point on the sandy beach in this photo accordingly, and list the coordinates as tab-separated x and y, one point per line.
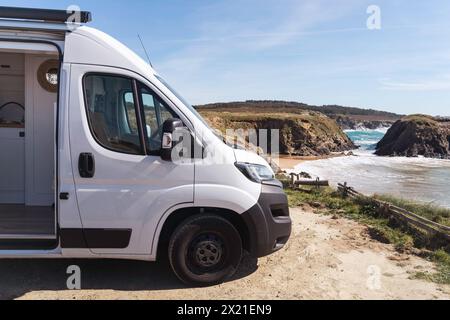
327	258
286	162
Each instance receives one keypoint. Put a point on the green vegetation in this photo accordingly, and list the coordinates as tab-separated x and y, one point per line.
231	120
442	260
329	201
296	107
429	211
422	120
361	211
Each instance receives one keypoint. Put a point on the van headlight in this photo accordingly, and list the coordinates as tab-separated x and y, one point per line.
256	172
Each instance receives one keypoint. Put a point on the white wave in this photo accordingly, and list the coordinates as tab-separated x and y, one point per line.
400	176
364	129
365	142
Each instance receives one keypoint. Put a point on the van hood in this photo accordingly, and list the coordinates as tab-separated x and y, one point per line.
249	157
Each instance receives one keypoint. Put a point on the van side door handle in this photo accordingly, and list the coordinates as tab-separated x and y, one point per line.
86	165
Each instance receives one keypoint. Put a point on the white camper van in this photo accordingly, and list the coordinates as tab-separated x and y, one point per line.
87	168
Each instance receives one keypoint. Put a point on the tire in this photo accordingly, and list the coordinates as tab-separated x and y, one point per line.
205	250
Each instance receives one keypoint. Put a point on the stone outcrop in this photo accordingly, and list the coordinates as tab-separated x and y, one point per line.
417	135
305	134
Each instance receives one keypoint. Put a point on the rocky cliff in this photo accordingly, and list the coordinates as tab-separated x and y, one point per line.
417	135
305	133
351	123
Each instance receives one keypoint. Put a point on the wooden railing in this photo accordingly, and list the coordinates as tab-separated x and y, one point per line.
399	214
297	180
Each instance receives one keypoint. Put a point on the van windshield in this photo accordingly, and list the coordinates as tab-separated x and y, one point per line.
184	101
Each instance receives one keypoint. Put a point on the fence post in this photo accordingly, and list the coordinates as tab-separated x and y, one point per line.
293	179
345	190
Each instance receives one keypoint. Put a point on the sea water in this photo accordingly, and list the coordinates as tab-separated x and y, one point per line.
418	179
367	139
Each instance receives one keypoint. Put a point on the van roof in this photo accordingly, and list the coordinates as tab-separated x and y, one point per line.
46	15
29	19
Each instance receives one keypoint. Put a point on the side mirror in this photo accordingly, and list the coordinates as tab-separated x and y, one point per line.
167	143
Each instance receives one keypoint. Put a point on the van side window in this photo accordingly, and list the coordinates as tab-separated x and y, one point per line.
111	110
156	112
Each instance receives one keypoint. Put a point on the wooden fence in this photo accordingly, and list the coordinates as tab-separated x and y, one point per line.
399	214
297	181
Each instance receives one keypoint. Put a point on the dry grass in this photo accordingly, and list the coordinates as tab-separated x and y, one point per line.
380	228
427	210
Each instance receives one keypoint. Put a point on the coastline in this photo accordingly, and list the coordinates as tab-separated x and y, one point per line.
286	162
419	179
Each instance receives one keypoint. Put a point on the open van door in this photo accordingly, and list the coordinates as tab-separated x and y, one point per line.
123	187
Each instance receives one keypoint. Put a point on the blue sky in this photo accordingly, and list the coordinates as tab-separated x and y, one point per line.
312	51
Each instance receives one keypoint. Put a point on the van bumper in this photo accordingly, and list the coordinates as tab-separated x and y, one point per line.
268	222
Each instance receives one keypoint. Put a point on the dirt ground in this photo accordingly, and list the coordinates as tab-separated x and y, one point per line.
326	258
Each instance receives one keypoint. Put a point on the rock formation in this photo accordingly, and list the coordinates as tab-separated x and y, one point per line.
417	135
303	134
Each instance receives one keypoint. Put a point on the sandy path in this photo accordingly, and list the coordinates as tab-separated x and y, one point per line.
325	259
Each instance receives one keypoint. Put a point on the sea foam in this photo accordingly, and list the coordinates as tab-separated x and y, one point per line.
419	179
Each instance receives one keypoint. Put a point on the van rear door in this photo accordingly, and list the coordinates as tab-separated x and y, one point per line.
122	188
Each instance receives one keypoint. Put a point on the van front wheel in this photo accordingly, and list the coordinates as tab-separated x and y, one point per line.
205	250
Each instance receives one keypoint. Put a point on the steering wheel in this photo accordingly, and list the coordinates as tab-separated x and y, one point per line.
11	103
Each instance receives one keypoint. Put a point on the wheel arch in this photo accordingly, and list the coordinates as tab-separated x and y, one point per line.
178	216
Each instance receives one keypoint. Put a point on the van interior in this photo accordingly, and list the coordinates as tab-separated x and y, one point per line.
28	102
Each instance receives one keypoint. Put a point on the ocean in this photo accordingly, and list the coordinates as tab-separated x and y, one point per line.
418	179
367	139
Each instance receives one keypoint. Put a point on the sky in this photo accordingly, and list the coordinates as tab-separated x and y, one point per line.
313	51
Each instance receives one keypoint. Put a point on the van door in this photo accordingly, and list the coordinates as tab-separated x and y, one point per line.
122	185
